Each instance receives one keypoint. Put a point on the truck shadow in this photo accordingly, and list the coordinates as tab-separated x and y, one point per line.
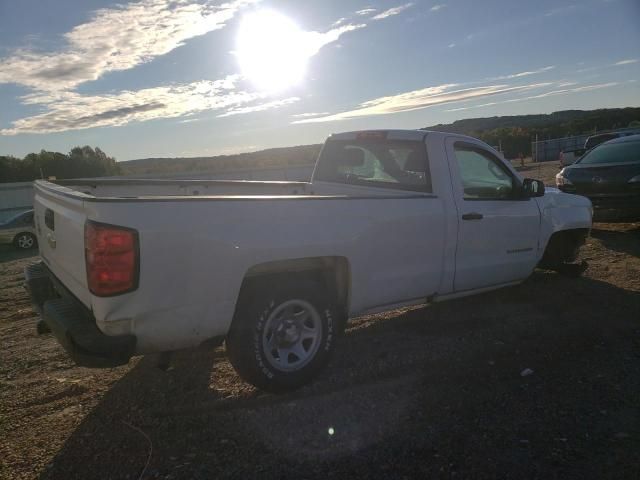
621	237
412	391
9	253
106	443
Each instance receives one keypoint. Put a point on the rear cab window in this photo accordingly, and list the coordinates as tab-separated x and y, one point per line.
376	162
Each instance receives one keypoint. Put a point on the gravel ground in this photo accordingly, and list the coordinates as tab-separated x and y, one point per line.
541	380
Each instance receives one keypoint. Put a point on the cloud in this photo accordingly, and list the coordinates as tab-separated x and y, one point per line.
585	88
73	111
562	91
451	45
313	41
392	11
437	7
626	62
560	10
524	74
116	39
310	114
366	11
65	109
452	93
261	107
339	22
419	99
591	69
189	120
147	29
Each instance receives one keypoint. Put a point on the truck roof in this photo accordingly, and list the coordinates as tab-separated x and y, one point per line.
391	134
395	134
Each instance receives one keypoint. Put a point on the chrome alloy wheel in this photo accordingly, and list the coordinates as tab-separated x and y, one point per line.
292	334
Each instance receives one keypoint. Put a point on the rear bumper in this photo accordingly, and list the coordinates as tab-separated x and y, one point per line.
73	324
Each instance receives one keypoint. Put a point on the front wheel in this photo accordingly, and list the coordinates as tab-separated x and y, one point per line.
283	333
562	251
25	241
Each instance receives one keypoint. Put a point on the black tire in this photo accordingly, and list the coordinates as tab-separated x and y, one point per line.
257	313
25	241
562	250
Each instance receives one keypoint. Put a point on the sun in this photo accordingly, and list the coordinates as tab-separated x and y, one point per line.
272	50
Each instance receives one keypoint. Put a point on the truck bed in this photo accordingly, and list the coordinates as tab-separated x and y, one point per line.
136	188
150	190
199	239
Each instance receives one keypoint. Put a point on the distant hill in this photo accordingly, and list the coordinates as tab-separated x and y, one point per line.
272	157
569	122
515	133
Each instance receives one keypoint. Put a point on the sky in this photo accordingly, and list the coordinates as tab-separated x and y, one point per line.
181	78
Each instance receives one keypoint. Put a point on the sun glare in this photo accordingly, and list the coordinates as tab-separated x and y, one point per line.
272	50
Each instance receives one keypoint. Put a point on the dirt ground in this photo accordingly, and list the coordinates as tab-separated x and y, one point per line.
432	392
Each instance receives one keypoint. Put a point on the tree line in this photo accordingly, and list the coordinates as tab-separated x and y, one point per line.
515	133
78	163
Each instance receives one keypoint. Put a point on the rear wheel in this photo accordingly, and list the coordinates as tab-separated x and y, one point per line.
283	333
25	241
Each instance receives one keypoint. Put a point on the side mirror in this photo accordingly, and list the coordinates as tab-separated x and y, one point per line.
532	188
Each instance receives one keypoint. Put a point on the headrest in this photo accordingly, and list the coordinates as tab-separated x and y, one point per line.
416	162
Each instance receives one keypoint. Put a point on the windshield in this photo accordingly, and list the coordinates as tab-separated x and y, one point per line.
625	152
400	165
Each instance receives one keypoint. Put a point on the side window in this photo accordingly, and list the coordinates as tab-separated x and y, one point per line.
399	164
483	176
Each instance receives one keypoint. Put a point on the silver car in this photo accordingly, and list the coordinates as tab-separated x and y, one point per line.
19	230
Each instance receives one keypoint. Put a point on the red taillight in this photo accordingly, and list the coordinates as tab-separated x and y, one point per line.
112	258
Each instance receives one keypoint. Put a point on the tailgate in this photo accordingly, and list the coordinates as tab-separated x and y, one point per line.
60	219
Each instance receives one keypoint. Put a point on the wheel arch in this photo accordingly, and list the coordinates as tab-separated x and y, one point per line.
563	245
562	212
333	272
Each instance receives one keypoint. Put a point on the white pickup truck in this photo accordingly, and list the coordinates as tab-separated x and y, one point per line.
391	218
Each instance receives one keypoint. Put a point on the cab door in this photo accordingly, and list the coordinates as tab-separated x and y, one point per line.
498	227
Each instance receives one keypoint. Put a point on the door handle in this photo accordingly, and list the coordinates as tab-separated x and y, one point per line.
51	240
472	216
